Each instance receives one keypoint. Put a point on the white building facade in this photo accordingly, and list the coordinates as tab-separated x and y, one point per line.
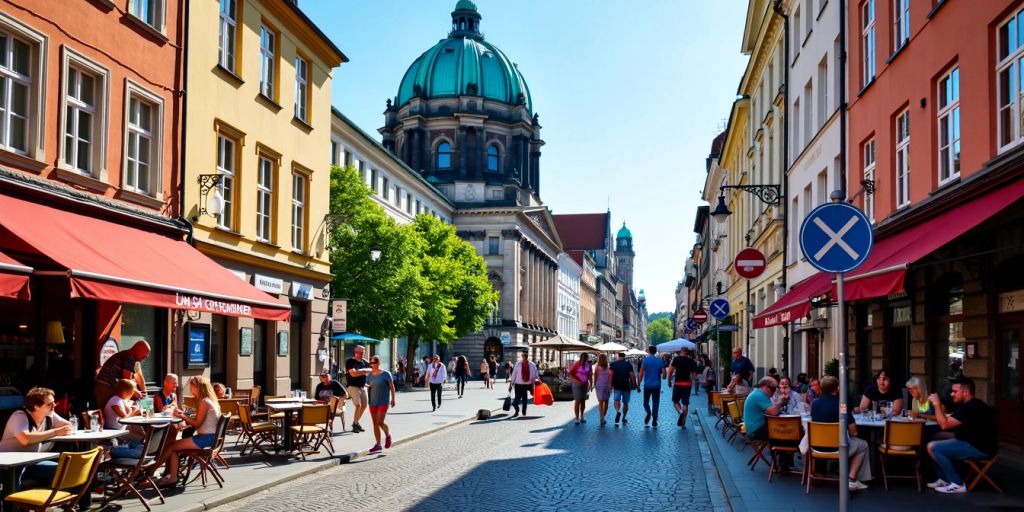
569	273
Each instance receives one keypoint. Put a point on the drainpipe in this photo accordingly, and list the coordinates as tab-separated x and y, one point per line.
184	123
784	200
842	94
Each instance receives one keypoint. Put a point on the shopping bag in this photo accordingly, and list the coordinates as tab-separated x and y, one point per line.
542	394
507	406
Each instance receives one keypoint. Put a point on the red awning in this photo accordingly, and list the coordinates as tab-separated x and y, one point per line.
116	263
796	303
886	268
13	278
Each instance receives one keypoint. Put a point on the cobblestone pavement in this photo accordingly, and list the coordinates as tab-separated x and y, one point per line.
541	462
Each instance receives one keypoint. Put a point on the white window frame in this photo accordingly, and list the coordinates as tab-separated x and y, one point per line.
156	8
227	50
1009	129
900	23
869	175
73	60
301	89
136	92
227	146
948	127
268	61
867	40
902	168
265	199
33	83
299	193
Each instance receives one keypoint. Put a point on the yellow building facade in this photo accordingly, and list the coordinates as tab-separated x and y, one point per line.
257	180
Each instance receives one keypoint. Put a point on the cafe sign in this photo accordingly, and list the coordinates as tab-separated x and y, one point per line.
1011	302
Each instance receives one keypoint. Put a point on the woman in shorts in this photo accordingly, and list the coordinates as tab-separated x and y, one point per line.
381	394
205	423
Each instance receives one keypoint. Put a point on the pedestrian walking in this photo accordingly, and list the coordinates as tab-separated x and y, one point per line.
680	379
382	393
623	382
741	366
436	375
652	370
700	371
581	375
508	371
462	374
709	377
523	375
485	374
451	370
357	368
492	370
602	385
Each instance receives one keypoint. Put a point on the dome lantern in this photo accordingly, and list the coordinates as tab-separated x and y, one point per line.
466	21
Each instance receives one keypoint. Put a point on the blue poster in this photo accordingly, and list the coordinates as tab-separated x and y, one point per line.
198	345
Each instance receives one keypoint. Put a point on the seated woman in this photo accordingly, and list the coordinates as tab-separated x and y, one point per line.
881	390
120	406
30	429
920	407
813	390
205	423
220	391
787	398
738	386
167	399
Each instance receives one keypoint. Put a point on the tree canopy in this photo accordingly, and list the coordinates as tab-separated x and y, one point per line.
660	330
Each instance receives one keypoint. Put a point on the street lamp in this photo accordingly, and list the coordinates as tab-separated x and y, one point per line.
770	194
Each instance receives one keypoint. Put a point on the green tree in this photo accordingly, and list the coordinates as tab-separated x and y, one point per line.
455	295
654	316
383	296
660	330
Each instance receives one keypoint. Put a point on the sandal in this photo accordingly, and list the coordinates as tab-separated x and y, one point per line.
167	481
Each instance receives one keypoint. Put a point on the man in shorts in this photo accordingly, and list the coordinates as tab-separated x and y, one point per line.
652	370
623	382
680	378
357	368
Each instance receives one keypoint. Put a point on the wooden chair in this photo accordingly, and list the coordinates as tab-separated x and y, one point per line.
977	470
337	409
715	406
313	430
128	471
823	444
265	413
256	433
75	471
205	457
230	406
189	402
783	437
733	420
901	440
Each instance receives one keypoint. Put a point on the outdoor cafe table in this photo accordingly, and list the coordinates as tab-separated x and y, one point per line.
82	440
287	407
874	427
156	419
10	462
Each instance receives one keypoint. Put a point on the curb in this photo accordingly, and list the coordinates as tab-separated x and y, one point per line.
733	498
333	462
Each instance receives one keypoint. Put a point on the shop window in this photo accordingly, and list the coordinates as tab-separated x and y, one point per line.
948	347
144	323
218	348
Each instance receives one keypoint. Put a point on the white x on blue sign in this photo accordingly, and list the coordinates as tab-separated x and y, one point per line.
719	308
691	324
836	237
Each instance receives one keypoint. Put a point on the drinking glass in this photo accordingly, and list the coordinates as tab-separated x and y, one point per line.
74	423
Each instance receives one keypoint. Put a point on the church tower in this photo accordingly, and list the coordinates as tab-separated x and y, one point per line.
624	256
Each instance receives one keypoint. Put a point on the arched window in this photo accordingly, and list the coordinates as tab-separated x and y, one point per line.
492	158
444	156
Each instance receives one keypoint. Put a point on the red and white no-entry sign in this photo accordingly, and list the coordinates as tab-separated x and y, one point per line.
700	316
749	263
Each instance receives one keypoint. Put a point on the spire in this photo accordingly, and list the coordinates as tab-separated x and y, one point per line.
466	21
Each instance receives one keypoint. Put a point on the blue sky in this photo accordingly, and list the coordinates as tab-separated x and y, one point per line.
630	95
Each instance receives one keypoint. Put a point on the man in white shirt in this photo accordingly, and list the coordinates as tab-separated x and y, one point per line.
436	375
524	374
30	430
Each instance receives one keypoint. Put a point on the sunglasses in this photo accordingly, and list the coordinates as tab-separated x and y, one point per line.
374	362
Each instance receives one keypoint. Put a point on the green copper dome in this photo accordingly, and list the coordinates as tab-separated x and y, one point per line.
624	232
464	64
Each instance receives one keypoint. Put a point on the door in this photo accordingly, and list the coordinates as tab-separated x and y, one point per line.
813	362
1009	399
259	355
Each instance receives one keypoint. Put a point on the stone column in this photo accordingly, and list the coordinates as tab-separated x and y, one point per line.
524	171
407	147
417	150
481	153
535	171
461	148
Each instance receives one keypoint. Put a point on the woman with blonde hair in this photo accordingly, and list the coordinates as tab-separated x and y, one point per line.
205	421
602	385
920	406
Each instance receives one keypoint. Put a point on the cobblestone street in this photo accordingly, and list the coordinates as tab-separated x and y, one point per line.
541	462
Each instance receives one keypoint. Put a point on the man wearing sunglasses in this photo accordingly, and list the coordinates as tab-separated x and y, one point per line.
758	405
30	430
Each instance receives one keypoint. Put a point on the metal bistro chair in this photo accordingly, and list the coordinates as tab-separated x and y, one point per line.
230	406
733	420
901	440
823	444
129	471
206	457
75	470
783	437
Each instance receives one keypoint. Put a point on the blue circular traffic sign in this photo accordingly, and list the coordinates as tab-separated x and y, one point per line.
836	237
691	324
719	308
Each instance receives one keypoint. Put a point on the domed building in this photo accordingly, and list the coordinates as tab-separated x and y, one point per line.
463	117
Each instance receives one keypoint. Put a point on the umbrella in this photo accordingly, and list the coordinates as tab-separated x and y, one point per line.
675	345
353	337
611	347
635	352
564	344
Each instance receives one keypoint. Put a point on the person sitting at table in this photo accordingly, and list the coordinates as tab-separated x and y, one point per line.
30	429
801	383
787	398
825	409
920	407
220	391
205	423
328	388
758	405
167	399
737	386
974	428
881	391
813	391
120	406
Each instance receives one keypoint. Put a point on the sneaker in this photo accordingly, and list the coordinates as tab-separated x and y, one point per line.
376	449
938	483
583	420
618	416
624	420
647	419
952	489
356	428
679	422
387	441
516	415
655	423
856	485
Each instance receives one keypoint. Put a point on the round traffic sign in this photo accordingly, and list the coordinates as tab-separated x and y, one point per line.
836	237
720	308
700	316
691	324
750	263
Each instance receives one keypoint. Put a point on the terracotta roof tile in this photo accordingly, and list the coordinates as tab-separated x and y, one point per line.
582	230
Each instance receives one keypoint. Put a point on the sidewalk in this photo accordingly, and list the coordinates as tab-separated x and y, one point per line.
750	490
409	420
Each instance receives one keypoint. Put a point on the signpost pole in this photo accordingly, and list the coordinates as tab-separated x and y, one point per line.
844	445
750	311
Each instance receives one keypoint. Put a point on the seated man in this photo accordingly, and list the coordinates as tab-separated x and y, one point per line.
167	399
30	430
825	409
974	429
328	388
759	404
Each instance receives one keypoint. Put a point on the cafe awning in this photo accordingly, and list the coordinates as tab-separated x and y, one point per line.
13	278
796	303
112	262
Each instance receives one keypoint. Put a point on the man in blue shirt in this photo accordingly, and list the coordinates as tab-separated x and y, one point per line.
757	405
741	365
652	370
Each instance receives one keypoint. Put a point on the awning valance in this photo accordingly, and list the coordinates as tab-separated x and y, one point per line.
13	278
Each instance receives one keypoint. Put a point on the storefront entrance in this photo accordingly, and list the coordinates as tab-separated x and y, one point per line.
1009	399
259	354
